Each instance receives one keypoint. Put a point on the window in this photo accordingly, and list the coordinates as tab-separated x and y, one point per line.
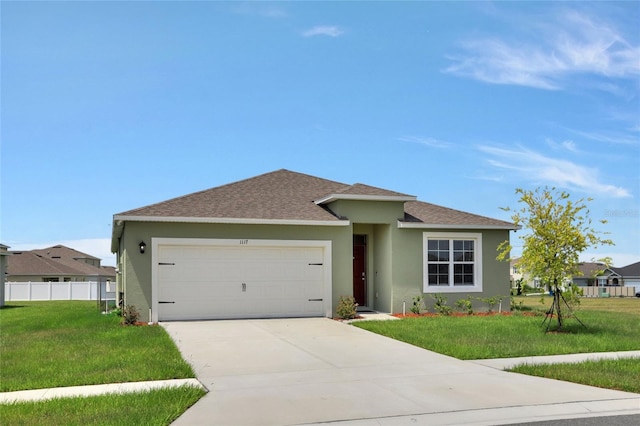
453	262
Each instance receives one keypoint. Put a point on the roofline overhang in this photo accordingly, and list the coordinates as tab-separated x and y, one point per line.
357	197
229	220
420	225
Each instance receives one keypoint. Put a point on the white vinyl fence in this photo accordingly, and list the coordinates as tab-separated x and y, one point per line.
70	290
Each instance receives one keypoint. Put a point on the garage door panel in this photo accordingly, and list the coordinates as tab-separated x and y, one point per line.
210	282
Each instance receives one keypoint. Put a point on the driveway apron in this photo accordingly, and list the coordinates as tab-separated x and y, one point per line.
313	370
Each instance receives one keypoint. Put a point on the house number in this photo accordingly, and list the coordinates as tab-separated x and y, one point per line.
244	242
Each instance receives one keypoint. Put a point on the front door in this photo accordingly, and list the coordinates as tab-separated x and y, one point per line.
360	269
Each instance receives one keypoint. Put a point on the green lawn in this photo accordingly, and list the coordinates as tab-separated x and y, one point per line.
630	305
620	374
479	337
62	343
611	325
158	407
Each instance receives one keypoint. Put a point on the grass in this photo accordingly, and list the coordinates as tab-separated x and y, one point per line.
158	407
613	324
630	305
70	343
482	337
620	374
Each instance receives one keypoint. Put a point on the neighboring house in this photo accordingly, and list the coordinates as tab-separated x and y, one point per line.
56	264
519	276
628	276
590	274
4	253
286	244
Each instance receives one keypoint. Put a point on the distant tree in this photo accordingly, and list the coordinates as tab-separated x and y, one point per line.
559	230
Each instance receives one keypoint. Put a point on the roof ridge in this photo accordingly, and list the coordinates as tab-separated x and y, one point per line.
221	187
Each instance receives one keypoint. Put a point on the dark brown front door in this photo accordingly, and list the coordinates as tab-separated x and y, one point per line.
360	269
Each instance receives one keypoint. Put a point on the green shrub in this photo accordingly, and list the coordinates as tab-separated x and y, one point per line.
572	297
417	305
517	306
130	315
441	306
347	307
465	305
491	301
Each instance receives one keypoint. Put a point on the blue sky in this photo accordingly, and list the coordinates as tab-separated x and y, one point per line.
109	106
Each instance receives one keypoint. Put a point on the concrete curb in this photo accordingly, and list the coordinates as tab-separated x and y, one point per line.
93	390
506	363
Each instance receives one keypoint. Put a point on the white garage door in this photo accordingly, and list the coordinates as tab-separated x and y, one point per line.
240	279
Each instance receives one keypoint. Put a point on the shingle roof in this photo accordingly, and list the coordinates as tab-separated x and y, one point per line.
56	260
419	212
281	195
632	270
287	195
589	269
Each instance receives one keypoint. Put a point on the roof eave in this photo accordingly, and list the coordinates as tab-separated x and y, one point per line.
120	219
358	197
422	225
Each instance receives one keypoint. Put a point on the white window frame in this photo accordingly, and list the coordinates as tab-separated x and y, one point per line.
477	262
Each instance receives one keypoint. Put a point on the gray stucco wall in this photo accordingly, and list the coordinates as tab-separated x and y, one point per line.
395	255
408	269
136	266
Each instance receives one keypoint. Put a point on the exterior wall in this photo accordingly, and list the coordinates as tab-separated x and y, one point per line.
408	269
3	269
136	266
394	259
372	212
382	289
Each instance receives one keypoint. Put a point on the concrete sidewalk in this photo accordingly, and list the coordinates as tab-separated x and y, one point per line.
92	390
506	363
318	371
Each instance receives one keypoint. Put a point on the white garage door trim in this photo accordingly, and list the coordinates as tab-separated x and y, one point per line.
157	243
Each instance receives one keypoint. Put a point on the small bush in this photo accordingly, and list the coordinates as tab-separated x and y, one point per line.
491	301
347	307
572	297
518	306
417	305
441	306
465	305
130	315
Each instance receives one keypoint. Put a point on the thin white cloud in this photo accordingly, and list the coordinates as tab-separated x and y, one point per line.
427	141
566	145
620	138
573	43
536	167
323	30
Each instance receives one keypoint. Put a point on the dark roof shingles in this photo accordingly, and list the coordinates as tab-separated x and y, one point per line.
288	195
432	214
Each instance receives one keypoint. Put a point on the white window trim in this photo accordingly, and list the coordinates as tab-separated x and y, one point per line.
477	269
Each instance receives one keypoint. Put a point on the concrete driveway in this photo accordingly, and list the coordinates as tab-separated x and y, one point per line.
306	371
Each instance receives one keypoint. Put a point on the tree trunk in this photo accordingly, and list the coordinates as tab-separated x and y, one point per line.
556	302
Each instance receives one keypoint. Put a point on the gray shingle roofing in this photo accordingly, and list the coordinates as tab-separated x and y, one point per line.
419	212
632	270
281	195
287	195
56	260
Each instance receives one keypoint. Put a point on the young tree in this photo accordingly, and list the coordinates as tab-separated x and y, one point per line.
559	230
